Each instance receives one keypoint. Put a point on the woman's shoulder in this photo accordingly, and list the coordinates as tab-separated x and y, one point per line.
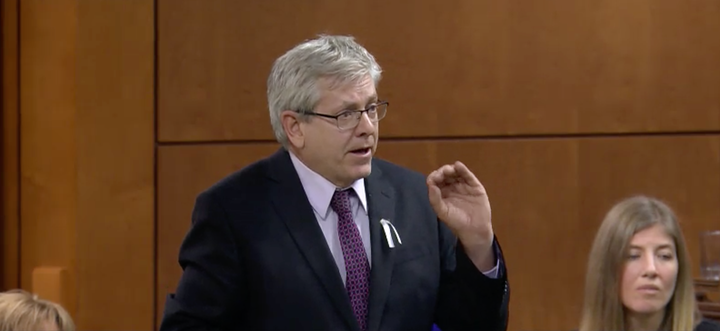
708	325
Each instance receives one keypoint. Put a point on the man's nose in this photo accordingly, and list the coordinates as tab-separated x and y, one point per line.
365	126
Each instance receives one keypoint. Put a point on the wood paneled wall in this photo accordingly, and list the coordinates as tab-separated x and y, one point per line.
560	107
85	90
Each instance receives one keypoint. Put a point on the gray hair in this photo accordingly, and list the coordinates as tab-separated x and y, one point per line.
292	84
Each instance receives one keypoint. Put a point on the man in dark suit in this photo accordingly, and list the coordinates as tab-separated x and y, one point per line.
321	236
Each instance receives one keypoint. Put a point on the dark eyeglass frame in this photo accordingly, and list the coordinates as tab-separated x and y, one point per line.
358	113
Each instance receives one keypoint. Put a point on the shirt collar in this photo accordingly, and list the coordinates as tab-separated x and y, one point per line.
320	190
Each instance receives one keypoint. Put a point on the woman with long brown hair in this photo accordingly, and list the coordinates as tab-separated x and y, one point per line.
639	275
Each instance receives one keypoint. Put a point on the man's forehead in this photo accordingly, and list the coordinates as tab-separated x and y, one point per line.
343	84
349	93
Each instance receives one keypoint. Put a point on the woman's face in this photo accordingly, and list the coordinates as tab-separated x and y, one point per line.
650	271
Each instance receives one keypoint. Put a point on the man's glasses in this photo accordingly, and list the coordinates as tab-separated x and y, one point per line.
349	119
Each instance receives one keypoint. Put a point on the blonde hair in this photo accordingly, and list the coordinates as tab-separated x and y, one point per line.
20	310
603	309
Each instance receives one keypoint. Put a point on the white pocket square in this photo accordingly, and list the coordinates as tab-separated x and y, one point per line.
388	234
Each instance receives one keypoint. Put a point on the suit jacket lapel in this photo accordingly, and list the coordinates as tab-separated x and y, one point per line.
381	206
292	205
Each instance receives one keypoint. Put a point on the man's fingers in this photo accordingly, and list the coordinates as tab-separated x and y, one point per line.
434	194
441	175
467	176
435	197
435	178
448	171
450	174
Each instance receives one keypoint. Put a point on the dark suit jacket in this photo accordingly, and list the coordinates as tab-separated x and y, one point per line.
256	259
708	325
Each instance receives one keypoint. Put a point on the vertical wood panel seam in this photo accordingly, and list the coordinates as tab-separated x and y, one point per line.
18	136
155	246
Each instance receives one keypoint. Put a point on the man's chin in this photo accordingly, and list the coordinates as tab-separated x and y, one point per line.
362	171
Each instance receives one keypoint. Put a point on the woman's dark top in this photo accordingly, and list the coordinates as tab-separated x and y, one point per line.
705	325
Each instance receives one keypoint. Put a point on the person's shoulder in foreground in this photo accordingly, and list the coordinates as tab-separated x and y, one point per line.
708	325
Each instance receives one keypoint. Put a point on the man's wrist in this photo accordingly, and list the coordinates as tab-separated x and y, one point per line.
480	251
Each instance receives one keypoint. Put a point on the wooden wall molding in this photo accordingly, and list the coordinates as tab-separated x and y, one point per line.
9	147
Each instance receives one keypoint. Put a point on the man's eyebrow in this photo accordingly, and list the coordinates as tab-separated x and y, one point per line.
347	104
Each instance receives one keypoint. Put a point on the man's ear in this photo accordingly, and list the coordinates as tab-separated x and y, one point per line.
293	129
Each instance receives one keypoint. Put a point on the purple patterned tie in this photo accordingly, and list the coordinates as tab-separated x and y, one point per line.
356	261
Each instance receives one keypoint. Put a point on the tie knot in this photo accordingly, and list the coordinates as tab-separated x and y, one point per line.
340	202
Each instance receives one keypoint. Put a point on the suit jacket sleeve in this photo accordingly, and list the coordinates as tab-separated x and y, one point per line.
209	294
468	299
